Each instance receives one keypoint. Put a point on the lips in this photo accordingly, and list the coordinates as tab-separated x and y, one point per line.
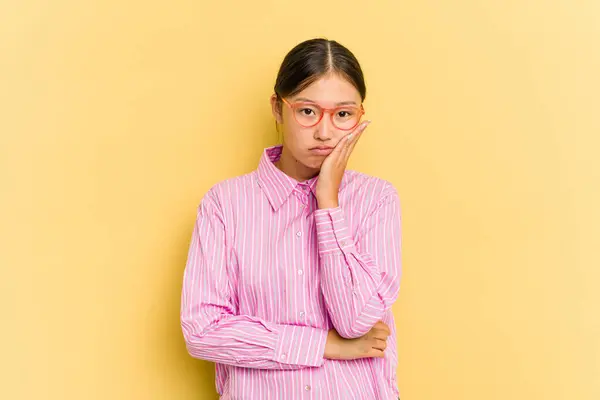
321	150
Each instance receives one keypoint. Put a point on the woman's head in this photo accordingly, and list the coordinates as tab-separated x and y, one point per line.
317	74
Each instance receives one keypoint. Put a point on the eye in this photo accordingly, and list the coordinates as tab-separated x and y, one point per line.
306	111
344	114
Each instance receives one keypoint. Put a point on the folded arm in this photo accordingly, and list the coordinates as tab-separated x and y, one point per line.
213	329
360	277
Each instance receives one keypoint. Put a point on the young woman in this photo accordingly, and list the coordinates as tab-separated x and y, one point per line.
293	268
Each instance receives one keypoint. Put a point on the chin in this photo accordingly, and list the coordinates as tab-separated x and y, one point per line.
313	162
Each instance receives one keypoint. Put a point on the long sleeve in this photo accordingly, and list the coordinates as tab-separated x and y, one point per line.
360	277
213	329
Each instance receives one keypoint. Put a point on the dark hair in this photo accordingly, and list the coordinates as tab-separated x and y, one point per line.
311	60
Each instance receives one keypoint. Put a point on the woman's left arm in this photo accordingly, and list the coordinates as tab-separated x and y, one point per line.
360	277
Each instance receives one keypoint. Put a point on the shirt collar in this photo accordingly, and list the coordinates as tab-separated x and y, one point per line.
275	183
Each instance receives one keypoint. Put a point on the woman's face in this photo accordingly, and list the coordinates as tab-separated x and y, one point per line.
310	146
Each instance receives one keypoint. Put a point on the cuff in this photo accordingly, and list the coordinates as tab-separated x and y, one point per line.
333	234
301	345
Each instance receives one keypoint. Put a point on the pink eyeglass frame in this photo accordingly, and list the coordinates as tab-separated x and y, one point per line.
331	112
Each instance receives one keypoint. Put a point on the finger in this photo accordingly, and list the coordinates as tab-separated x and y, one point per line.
379	344
380	334
387	330
345	142
371	352
376	353
383	326
339	147
352	138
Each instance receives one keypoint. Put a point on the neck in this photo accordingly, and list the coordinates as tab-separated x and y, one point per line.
294	168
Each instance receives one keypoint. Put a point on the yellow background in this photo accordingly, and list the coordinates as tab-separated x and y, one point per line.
116	117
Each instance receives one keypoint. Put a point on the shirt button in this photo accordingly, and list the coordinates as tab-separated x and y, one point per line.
307	388
302	314
283	356
300	272
298	233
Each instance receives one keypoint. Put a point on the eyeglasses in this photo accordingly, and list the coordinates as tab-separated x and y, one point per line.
310	114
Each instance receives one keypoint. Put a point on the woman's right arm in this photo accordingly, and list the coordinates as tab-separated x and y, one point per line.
213	329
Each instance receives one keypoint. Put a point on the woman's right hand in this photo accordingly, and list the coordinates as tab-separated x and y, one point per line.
372	344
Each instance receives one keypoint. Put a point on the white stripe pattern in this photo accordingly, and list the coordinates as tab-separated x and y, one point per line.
268	274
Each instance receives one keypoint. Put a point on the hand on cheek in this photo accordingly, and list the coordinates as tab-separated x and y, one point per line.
333	167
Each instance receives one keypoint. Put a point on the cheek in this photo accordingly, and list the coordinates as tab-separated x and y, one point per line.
339	137
294	136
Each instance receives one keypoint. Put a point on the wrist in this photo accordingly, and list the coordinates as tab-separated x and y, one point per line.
332	345
328	202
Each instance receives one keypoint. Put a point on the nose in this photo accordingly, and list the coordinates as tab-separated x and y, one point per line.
324	130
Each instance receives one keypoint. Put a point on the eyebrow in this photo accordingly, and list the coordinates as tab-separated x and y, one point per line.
342	103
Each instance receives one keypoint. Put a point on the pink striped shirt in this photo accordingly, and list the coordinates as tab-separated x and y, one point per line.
268	274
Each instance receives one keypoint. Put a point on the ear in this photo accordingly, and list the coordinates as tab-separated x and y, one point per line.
276	109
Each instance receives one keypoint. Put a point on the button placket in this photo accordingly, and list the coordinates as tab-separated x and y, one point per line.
302	228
